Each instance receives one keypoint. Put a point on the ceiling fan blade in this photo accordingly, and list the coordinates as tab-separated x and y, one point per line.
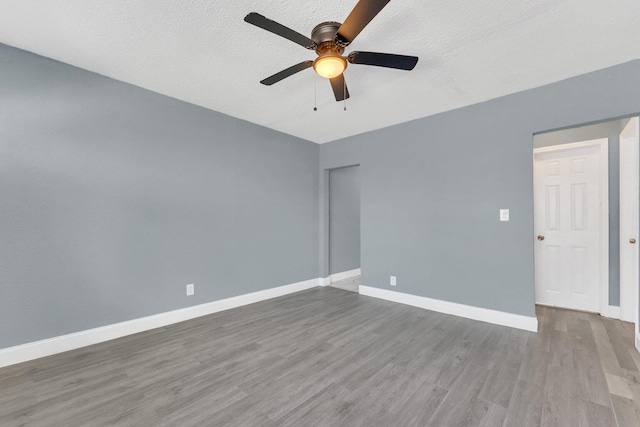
279	29
286	73
389	60
359	17
339	88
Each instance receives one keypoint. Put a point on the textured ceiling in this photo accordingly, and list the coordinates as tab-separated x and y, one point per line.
204	53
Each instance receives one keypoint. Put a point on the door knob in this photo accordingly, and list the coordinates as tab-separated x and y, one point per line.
632	240
540	237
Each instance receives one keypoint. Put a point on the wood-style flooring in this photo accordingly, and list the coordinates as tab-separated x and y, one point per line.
328	357
351	284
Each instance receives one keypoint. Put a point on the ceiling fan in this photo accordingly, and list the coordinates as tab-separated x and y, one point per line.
329	39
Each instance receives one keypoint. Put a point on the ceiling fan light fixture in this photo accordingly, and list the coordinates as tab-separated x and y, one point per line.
329	40
329	66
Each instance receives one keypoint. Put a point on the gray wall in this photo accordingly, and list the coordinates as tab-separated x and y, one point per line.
113	198
610	130
431	190
344	219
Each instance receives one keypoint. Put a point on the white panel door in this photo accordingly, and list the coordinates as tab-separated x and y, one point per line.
568	224
629	221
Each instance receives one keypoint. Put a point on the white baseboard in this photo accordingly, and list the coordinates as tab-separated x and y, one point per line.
476	313
345	275
48	347
60	344
611	311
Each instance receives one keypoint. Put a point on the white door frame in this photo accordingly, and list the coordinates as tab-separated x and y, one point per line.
629	210
603	161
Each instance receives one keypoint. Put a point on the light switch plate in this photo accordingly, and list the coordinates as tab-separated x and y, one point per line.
392	282
190	289
504	214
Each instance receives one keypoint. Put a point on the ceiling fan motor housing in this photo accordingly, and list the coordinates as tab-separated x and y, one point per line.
324	36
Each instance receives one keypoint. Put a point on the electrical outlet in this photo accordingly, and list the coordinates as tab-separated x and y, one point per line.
191	289
392	282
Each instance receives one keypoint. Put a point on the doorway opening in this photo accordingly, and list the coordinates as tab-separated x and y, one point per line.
344	228
586	196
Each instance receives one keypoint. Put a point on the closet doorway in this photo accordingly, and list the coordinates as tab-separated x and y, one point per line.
344	228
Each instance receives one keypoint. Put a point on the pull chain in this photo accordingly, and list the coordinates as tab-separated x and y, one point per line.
315	94
344	92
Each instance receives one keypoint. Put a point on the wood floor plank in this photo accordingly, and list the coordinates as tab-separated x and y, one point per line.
636	358
534	367
627	413
525	407
559	411
620	348
559	404
418	407
329	357
618	385
591	414
590	383
608	358
460	407
499	386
